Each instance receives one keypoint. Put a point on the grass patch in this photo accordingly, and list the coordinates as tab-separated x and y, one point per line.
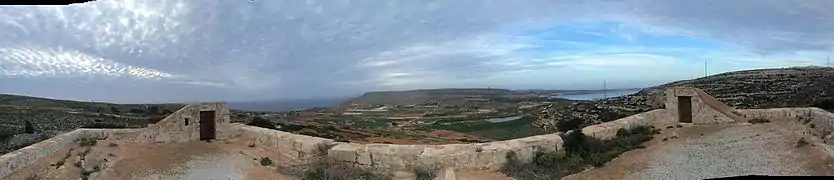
424	173
87	142
330	170
758	121
580	152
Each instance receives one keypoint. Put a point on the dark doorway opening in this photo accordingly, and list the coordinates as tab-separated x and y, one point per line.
685	109
207	130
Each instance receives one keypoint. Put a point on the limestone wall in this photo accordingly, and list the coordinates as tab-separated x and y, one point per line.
299	146
175	129
170	129
608	130
479	156
23	157
776	114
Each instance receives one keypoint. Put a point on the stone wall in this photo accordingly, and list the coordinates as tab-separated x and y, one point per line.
705	109
184	125
776	114
478	156
608	130
170	129
298	146
23	157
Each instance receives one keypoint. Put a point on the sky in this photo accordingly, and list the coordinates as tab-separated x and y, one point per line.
149	51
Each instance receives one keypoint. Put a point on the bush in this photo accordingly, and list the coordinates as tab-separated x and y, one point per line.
28	127
87	142
423	173
324	169
758	120
580	152
261	122
7	133
265	161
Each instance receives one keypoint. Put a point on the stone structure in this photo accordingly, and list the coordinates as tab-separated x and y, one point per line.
692	105
193	122
211	120
171	129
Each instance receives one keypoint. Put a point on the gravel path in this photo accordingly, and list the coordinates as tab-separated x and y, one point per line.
734	151
223	167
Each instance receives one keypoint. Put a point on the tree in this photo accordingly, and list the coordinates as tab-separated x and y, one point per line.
114	110
153	110
28	127
261	122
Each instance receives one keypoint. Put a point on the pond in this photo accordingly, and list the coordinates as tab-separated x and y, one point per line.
504	119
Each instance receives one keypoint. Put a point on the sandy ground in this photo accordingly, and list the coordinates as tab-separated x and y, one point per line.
198	160
718	151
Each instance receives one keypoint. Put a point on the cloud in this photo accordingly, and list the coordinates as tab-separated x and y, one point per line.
179	50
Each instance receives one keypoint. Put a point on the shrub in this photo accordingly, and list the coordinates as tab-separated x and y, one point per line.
424	173
87	142
7	133
155	119
580	152
758	120
28	127
324	169
265	161
261	122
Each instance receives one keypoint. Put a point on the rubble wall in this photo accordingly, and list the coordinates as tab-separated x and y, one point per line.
23	157
776	114
477	156
608	130
298	146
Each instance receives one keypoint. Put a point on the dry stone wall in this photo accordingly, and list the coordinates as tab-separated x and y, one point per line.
479	156
608	130
298	146
23	157
170	129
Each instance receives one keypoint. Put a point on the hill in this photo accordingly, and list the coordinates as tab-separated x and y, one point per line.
760	88
286	104
25	120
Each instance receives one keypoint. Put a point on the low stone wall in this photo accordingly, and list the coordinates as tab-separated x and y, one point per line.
478	156
23	157
777	113
608	130
299	146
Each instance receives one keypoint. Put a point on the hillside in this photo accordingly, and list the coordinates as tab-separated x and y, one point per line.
760	88
25	120
425	96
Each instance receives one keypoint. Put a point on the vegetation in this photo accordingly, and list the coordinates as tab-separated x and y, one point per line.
261	122
331	170
424	173
758	120
500	131
265	161
580	152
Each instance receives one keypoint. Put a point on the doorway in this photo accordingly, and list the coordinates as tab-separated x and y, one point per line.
207	123
685	109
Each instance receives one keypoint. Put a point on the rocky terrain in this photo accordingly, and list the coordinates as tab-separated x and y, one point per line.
749	89
26	120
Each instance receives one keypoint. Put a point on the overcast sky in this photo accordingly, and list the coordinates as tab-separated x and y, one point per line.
141	51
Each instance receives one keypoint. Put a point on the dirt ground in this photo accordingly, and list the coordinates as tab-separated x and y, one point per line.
698	152
198	160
